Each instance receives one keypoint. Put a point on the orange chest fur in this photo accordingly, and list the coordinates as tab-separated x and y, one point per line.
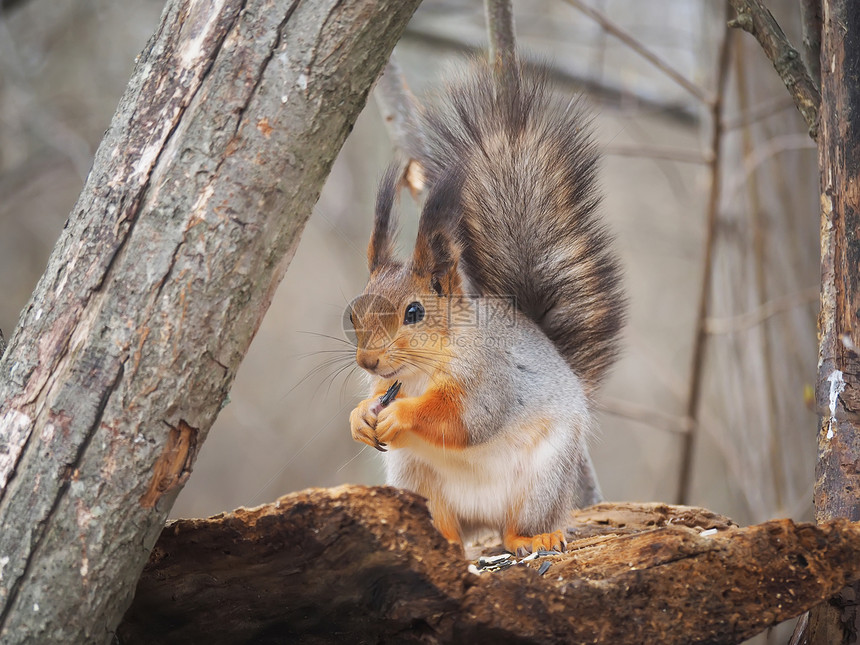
437	416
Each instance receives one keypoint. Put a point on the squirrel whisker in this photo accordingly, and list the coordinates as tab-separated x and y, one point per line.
328	337
343	352
423	364
331	379
325	365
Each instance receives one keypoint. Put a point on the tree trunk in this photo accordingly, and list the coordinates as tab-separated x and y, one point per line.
127	350
365	565
837	487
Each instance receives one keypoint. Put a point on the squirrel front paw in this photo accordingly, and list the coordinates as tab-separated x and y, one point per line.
362	423
390	423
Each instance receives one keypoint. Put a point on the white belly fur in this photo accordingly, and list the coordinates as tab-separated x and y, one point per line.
484	484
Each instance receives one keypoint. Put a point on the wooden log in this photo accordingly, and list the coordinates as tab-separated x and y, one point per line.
365	564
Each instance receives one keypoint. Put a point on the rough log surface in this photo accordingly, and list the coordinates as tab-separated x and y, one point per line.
124	355
837	486
365	564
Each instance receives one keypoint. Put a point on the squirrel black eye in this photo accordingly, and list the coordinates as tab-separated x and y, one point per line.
414	313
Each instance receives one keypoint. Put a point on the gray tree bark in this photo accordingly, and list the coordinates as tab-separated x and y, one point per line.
128	347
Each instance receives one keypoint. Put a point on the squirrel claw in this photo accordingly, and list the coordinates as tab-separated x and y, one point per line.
388	425
380	446
524	544
362	422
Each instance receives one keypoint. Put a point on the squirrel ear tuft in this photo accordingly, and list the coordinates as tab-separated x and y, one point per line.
437	248
380	250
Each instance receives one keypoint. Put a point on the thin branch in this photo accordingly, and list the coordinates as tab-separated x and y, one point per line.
628	39
598	90
749	319
38	120
500	28
753	17
799	629
647	416
658	152
760	284
698	358
762	153
642	135
763	110
7	5
811	23
397	106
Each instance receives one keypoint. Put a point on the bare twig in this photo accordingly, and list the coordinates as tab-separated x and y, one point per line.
647	416
6	5
799	629
397	106
762	153
746	320
500	28
658	152
598	90
758	112
600	45
642	134
767	425
39	121
810	19
628	39
753	17
697	370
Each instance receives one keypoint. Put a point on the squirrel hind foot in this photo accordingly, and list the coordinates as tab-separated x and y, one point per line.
522	545
447	525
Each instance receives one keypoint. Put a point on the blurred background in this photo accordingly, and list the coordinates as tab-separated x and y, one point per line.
651	71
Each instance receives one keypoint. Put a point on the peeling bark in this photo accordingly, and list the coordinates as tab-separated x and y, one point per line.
124	355
174	464
366	565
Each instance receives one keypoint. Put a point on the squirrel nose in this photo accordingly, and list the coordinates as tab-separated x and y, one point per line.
367	362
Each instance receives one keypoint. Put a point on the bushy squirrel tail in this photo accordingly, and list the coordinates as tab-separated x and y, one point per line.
530	227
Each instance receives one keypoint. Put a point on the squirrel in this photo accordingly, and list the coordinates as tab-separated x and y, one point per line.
503	322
